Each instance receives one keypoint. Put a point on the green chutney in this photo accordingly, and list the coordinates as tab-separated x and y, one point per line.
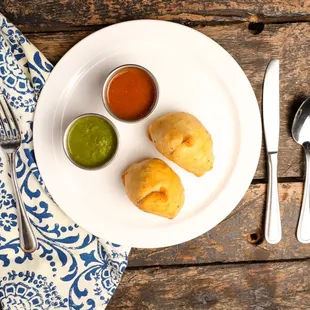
91	141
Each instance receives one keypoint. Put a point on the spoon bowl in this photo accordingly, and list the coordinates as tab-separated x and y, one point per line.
301	134
301	124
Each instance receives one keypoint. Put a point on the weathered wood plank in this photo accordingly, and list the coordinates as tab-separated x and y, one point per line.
55	45
34	15
288	42
239	237
232	287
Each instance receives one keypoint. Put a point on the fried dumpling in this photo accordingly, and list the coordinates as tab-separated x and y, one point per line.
184	140
154	187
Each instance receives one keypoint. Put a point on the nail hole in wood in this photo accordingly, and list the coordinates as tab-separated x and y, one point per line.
255	238
256	28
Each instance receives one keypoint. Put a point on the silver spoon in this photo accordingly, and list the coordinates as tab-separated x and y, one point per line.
301	134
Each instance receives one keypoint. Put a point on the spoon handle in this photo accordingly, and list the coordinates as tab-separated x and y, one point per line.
303	228
273	233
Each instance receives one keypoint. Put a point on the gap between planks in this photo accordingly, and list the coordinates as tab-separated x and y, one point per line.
197	25
218	264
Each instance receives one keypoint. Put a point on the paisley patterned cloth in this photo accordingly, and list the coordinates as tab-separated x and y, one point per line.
71	269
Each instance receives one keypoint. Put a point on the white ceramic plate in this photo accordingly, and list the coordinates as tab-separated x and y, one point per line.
195	75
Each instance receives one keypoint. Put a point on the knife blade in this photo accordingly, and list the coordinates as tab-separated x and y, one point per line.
271	119
271	106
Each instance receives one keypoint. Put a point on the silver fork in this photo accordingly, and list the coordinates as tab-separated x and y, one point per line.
10	142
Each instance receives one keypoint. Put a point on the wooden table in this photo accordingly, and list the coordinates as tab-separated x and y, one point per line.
231	266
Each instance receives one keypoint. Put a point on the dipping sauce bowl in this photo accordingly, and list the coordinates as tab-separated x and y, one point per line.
130	93
91	141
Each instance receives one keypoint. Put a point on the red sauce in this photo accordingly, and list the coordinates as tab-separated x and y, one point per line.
131	94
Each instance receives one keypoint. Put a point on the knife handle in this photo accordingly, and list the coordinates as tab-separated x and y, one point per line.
303	228
273	233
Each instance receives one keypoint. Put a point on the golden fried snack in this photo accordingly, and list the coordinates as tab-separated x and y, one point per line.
184	140
154	187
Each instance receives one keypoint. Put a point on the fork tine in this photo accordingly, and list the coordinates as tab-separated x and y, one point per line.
5	119
2	122
4	135
16	129
13	127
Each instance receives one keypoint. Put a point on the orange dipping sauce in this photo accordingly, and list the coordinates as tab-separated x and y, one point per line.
131	94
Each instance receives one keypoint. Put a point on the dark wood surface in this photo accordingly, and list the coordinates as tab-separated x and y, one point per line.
239	238
51	15
231	266
280	285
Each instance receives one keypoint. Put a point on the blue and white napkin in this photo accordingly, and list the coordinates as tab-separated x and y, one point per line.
71	269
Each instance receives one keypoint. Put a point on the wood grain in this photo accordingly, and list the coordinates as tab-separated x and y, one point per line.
196	277
239	237
34	15
288	42
273	286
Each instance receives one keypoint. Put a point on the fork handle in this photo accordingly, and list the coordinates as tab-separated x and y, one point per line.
28	241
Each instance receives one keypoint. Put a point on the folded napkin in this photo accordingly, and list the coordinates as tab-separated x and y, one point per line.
71	268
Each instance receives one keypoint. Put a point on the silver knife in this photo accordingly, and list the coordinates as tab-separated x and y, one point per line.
271	111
